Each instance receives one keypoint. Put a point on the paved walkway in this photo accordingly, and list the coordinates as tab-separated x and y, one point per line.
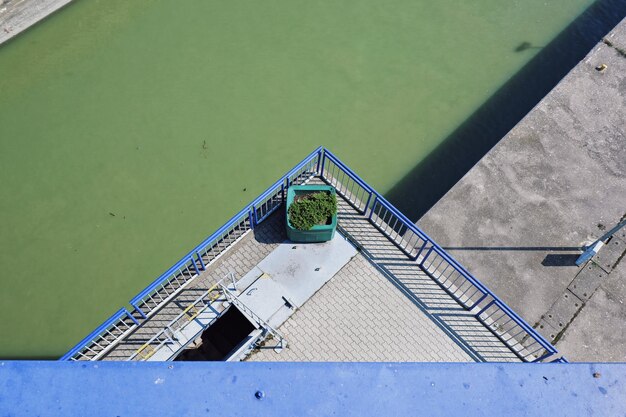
555	182
361	316
382	307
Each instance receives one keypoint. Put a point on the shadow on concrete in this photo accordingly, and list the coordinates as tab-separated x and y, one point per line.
265	234
560	259
497	116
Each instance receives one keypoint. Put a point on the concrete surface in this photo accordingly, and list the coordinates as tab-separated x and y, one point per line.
18	15
555	182
301	269
598	331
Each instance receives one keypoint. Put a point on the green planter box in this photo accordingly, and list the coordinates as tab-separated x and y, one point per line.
318	233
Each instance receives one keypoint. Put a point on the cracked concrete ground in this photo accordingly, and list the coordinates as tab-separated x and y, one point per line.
554	183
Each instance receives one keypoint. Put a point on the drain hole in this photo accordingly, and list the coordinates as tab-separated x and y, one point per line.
221	338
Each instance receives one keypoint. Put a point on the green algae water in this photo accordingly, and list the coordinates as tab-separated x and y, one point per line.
130	130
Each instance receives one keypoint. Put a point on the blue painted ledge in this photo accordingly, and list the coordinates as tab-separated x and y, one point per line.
310	389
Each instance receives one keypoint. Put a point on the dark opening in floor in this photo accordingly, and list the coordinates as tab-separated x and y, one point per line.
227	333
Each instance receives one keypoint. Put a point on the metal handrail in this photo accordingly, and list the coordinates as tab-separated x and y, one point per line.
379	199
550	350
117	317
172	325
248	214
233	220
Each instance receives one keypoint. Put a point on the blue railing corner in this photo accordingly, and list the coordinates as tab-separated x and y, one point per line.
374	200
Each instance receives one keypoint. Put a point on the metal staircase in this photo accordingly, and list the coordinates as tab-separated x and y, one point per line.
187	326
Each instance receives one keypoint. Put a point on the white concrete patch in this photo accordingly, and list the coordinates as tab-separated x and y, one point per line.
292	274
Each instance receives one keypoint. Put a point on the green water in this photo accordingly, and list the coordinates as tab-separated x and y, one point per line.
130	129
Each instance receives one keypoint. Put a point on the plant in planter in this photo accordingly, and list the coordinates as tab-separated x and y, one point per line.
311	213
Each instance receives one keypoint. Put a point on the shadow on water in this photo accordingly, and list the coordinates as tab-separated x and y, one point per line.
497	116
30	358
524	46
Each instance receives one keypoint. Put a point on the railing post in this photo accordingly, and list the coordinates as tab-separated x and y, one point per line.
130	316
421	249
482	310
202	266
194	265
323	163
426	256
141	313
369	198
480	300
373	206
252	217
319	161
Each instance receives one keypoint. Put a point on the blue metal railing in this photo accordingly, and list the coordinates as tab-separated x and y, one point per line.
160	290
254	213
525	341
170	283
433	259
101	339
514	331
350	186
